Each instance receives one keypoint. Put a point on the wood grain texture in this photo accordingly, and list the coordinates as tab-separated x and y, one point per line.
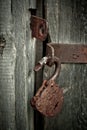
16	66
66	26
7	68
24	74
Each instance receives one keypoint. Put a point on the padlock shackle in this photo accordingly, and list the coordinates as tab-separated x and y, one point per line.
57	64
47	60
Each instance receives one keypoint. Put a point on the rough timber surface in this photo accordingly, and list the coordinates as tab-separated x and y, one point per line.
68	24
7	68
16	66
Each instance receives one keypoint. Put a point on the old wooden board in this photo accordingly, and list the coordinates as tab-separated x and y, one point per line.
7	68
16	66
67	24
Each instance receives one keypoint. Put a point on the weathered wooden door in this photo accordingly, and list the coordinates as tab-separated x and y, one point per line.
67	20
68	24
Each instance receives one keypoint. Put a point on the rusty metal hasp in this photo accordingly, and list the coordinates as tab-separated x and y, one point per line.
39	28
68	53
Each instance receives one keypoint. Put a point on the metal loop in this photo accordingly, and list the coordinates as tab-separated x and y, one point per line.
50	61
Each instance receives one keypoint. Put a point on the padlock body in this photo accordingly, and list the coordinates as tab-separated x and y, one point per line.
48	99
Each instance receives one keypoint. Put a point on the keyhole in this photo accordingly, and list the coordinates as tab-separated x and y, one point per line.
56	105
41	29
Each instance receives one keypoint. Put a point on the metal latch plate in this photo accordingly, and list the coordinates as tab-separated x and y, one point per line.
68	53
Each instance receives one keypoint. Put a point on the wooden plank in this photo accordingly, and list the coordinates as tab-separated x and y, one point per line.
16	66
30	75
25	60
7	68
65	26
82	113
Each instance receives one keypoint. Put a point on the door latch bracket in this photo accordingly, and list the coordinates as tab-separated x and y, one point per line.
39	28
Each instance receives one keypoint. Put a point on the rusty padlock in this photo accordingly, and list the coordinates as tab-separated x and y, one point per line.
49	98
